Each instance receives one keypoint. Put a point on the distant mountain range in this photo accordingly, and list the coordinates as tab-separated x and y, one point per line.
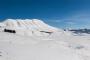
78	31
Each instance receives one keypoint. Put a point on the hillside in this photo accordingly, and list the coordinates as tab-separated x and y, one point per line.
28	26
35	40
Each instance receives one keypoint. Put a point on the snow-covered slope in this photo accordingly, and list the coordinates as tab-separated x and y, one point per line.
60	45
53	47
32	24
17	47
29	26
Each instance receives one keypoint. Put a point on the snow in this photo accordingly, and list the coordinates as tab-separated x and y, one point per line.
26	45
29	26
35	24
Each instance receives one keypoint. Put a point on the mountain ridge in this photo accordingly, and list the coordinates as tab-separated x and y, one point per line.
23	26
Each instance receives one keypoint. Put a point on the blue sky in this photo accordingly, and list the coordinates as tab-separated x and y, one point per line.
59	13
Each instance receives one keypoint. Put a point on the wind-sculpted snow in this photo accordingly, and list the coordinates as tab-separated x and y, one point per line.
54	47
17	47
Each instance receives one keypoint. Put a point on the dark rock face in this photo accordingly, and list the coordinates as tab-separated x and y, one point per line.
47	32
10	31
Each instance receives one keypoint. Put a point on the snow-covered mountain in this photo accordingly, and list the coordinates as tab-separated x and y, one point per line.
28	26
32	24
31	39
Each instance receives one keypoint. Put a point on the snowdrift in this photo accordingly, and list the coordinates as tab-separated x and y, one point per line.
17	47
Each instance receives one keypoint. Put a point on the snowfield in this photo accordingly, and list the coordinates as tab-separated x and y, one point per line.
28	43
